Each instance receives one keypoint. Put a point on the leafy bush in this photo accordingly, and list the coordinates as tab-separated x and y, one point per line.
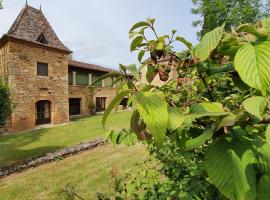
219	103
5	103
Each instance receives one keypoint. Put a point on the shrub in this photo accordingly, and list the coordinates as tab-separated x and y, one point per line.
5	103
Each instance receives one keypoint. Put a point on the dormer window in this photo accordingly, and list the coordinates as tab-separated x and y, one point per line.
41	39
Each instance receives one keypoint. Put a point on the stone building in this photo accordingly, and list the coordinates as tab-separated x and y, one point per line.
46	86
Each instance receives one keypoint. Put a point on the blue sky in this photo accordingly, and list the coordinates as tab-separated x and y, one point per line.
97	30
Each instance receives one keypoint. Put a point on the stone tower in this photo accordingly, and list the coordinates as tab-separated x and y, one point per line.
34	62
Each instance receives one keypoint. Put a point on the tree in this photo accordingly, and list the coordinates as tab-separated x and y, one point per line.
1	2
232	12
219	104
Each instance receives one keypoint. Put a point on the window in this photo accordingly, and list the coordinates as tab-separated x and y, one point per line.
74	106
42	69
100	104
41	39
43	112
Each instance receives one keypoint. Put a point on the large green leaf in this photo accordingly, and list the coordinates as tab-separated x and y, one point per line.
115	102
200	140
256	106
264	187
176	119
208	43
230	172
154	112
252	63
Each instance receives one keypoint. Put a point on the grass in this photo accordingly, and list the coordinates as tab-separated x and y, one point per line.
16	147
89	172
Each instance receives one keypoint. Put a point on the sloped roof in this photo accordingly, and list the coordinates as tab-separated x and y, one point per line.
73	63
30	25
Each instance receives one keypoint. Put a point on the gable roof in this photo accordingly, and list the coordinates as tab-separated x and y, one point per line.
73	63
30	25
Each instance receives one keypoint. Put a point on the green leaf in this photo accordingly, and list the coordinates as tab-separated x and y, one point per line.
176	119
115	102
252	63
206	107
135	124
263	157
120	78
133	70
256	106
267	134
208	43
153	110
228	120
108	75
266	24
229	45
233	177
264	187
140	55
213	109
136	42
200	140
151	73
185	42
138	25
248	28
159	45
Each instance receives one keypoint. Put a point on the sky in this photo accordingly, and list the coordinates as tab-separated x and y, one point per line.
97	30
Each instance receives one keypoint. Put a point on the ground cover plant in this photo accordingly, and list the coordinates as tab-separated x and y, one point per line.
20	146
215	113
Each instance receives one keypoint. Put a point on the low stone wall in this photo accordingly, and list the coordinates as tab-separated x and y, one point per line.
50	157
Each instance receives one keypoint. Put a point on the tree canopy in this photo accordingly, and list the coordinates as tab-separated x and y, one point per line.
232	12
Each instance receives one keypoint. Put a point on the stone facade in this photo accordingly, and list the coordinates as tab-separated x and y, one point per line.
27	88
84	94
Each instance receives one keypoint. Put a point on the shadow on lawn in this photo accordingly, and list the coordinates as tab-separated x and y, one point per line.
21	146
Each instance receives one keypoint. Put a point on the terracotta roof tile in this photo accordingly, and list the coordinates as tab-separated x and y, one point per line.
29	26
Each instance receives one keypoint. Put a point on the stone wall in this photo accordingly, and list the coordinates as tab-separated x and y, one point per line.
27	87
82	92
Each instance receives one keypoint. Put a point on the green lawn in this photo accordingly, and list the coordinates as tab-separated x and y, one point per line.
16	147
89	172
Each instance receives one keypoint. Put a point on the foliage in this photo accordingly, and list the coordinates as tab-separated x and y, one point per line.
232	12
219	103
5	103
1	2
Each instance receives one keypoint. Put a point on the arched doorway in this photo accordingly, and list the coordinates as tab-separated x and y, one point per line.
43	112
